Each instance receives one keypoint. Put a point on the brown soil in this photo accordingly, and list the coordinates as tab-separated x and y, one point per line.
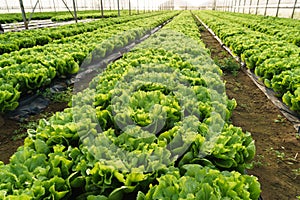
12	132
275	137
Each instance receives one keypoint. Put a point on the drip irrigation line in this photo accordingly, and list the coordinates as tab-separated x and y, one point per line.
292	116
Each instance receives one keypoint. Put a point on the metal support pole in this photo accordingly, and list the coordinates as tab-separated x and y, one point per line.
235	2
7	6
239	5
250	7
227	5
129	5
101	5
257	4
266	7
137	7
230	9
118	2
23	14
214	5
231	3
278	5
244	6
40	6
75	12
54	6
293	12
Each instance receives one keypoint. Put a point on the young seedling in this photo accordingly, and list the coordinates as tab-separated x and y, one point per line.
280	119
259	161
22	131
296	172
59	97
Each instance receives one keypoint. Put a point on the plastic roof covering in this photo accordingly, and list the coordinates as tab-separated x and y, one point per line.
10	6
13	6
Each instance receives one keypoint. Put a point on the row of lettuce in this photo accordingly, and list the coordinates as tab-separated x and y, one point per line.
54	16
281	28
17	17
152	125
92	15
14	41
274	60
33	68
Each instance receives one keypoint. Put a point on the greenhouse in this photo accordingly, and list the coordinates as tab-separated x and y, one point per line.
149	99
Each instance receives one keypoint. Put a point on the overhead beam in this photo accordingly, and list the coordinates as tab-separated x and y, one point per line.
70	10
33	11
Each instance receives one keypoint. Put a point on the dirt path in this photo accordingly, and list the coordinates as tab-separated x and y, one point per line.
12	132
277	159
